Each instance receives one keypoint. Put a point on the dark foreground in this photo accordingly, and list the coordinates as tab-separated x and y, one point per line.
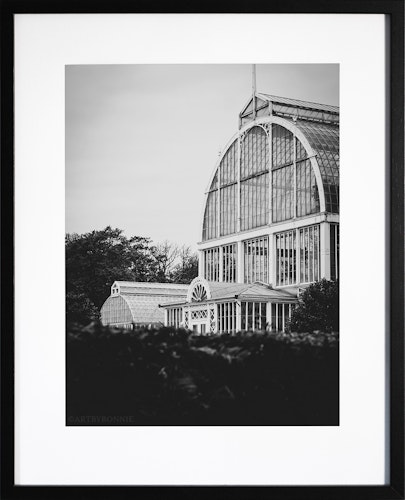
170	377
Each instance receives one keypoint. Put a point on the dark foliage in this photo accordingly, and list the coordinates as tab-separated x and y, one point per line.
318	308
80	309
170	377
95	260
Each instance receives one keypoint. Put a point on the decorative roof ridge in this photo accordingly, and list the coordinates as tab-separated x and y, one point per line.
151	284
305	104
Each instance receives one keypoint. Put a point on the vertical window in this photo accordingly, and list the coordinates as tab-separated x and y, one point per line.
283	146
334	252
228	190
211	264
243	316
283	174
174	317
228	209
226	317
280	317
210	216
254	179
307	189
256	260
253	316
300	151
309	254
283	193
229	259
286	258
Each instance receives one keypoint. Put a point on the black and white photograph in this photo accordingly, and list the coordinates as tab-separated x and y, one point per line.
178	312
202	244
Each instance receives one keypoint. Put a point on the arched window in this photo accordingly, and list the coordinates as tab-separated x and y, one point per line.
243	177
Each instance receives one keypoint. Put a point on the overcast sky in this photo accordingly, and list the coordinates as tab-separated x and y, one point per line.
142	140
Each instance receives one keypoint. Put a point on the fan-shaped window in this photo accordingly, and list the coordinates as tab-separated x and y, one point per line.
199	293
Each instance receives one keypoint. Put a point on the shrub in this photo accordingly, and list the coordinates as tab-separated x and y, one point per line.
318	308
172	377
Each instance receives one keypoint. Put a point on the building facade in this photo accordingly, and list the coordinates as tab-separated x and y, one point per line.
271	219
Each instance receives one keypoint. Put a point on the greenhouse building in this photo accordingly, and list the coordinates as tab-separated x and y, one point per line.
270	225
134	305
271	219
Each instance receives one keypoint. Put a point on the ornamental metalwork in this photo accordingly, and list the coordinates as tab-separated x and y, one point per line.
199	314
212	320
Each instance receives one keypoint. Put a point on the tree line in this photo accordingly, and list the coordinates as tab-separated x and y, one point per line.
96	259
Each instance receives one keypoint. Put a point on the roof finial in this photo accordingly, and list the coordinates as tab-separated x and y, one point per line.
254	90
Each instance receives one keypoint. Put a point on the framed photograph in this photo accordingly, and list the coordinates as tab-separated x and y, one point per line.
203	252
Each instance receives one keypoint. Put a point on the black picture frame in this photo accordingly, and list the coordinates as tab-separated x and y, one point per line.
394	10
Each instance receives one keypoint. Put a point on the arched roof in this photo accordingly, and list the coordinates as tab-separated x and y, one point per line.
126	309
316	126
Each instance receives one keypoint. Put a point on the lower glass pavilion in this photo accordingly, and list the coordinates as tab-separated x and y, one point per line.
271	219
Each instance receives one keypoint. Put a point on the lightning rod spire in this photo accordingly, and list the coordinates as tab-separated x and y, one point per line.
254	90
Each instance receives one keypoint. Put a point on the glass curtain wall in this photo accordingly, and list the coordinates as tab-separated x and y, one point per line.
294	189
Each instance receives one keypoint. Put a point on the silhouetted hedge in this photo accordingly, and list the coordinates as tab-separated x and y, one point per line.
171	377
